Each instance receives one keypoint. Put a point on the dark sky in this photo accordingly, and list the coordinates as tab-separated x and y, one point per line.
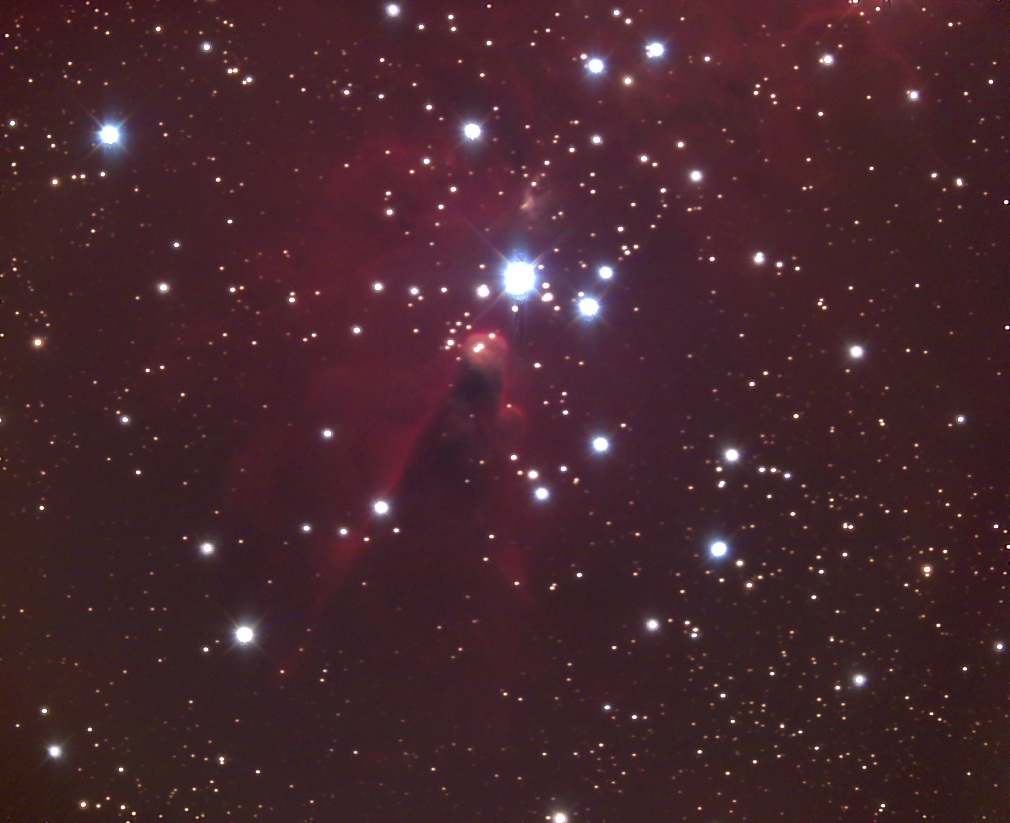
298	522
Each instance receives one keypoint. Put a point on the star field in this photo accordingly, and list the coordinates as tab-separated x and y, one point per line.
527	411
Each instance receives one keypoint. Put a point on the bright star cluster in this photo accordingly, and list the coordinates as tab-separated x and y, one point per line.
516	411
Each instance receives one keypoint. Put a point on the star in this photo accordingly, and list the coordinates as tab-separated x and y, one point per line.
244	635
520	278
109	135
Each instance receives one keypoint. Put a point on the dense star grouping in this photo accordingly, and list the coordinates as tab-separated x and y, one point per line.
519	410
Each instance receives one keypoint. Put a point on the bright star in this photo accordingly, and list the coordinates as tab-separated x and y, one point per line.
109	135
206	548
541	493
55	751
718	549
859	680
244	635
471	131
696	176
595	65
731	455
655	50
601	444
606	272
380	507
520	278
588	306
855	352
828	59
652	625
393	10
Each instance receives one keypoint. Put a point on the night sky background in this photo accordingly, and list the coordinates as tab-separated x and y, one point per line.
734	547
